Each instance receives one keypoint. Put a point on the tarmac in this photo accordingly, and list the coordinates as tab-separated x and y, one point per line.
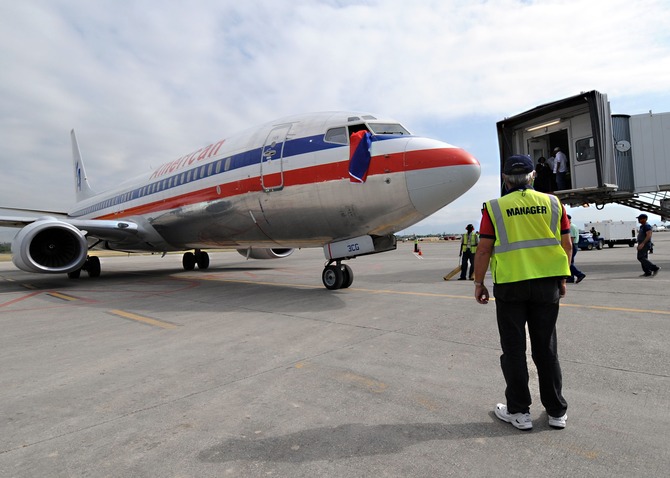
254	369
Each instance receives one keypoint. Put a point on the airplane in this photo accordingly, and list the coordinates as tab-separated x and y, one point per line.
344	181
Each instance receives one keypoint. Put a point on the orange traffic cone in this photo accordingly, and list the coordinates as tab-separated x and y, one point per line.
420	253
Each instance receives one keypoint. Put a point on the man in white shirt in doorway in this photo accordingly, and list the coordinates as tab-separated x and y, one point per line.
561	169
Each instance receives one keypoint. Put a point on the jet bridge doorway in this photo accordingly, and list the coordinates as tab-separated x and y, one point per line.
272	159
543	146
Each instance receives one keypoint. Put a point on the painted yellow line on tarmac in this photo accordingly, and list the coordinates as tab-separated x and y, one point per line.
428	294
141	318
618	309
58	295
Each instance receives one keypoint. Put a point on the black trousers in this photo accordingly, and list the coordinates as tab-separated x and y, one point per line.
533	302
643	256
467	257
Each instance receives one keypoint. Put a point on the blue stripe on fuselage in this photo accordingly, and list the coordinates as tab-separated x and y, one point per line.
293	147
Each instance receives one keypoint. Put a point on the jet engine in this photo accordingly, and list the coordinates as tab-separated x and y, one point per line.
253	253
49	246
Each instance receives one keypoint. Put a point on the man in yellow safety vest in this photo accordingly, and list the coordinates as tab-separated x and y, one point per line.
469	242
525	238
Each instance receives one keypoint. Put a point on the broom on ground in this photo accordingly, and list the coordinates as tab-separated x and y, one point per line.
451	274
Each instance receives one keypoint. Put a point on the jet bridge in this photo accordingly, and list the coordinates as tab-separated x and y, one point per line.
620	159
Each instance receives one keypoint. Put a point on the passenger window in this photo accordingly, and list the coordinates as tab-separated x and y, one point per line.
336	135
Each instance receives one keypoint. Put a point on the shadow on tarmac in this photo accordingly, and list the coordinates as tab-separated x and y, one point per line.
346	441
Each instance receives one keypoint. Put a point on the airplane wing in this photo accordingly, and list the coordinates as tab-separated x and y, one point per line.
21	221
16	221
101	229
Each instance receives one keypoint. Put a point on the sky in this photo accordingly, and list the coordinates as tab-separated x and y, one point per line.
143	82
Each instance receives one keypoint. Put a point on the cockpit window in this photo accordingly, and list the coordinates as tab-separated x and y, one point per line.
336	135
387	128
340	135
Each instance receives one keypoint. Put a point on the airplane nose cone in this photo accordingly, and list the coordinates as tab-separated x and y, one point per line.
437	173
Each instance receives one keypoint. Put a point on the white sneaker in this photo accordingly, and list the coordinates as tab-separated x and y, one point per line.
558	422
522	421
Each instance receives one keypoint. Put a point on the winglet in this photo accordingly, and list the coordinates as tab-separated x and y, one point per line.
82	188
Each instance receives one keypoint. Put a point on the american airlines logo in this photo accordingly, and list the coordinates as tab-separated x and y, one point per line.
187	160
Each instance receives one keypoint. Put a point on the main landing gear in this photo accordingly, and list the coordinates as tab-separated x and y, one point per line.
337	276
92	266
190	259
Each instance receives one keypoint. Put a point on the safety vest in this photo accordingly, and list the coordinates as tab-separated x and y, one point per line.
528	237
469	241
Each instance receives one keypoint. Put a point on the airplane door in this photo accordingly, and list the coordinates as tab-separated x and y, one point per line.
272	167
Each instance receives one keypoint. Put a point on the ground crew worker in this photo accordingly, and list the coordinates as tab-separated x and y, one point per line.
526	237
576	275
644	247
469	242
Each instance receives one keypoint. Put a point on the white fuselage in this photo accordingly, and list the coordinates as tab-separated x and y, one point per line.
286	184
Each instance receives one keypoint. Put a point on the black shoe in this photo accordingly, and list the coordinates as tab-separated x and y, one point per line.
580	278
646	274
461	278
656	271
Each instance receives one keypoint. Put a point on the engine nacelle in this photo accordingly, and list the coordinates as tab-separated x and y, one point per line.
49	246
253	253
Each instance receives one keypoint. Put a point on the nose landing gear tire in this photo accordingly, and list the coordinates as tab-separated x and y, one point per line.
338	276
348	276
332	277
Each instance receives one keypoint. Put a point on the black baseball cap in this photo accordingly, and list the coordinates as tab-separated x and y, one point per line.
518	164
642	215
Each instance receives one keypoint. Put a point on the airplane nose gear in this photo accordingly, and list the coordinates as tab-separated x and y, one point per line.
337	276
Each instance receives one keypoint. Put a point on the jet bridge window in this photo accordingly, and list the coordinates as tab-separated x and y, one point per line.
585	149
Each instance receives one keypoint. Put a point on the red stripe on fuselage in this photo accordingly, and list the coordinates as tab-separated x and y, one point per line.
389	163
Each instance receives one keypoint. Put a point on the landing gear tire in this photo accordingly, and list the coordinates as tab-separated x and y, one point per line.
202	259
348	276
92	266
74	274
332	277
188	261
